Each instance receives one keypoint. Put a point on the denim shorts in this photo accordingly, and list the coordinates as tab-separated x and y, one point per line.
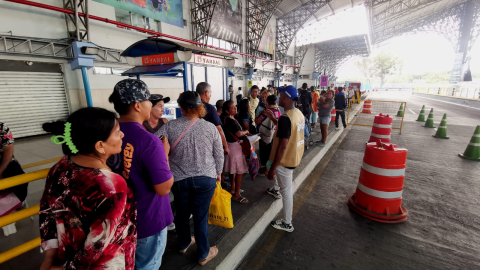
313	117
325	120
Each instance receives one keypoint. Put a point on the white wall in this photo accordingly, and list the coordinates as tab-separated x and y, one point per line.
29	21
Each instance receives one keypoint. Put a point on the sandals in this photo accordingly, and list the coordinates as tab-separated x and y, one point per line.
213	252
241	200
241	191
183	251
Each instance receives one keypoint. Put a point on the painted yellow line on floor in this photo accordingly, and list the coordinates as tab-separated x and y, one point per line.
46	161
299	198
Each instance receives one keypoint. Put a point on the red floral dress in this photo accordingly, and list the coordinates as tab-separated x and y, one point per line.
90	216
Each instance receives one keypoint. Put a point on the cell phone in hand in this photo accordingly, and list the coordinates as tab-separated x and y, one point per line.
161	137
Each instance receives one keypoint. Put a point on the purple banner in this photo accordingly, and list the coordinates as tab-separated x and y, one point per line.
323	80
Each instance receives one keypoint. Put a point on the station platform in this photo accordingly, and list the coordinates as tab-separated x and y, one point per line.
441	194
41	152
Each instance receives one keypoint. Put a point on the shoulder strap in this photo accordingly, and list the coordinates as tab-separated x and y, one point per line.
225	122
181	135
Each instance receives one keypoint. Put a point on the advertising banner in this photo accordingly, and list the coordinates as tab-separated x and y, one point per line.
267	43
227	21
167	11
323	81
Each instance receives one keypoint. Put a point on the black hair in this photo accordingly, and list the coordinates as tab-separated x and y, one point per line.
255	87
272	100
312	88
219	104
226	105
323	92
340	89
202	88
239	88
230	85
89	125
120	107
243	107
304	85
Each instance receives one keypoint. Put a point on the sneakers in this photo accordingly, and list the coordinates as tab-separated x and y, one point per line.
337	128
274	193
281	225
171	227
320	143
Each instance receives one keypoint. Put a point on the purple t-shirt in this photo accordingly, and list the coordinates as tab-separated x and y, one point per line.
145	165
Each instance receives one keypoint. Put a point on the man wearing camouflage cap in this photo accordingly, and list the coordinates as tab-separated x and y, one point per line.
144	162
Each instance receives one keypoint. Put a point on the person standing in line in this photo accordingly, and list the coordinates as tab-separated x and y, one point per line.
262	105
305	101
143	162
325	106
266	121
239	95
219	106
314	115
87	213
235	163
196	160
287	152
205	91
155	122
230	92
253	100
13	197
351	94
243	117
340	106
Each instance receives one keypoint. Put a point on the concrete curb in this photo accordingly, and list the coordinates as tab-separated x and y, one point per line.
235	257
466	102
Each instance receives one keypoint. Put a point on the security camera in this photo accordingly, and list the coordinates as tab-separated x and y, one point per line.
29	63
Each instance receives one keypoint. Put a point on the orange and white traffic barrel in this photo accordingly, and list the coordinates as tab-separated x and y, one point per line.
380	186
333	114
367	106
381	129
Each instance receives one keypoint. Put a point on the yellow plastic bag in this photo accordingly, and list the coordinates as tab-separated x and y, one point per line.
220	211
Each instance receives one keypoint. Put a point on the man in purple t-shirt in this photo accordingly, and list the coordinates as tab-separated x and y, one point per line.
145	165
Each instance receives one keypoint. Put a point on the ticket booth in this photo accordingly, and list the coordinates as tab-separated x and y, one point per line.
160	57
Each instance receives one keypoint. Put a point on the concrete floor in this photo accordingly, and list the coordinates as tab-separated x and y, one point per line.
441	193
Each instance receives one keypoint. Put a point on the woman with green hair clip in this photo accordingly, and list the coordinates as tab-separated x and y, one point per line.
87	213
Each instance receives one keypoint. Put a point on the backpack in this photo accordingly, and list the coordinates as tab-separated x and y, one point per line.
306	102
267	129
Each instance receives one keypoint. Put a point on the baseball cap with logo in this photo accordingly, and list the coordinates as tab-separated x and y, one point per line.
130	91
290	91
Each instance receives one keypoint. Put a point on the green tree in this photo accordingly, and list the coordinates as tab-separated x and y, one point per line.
385	64
366	67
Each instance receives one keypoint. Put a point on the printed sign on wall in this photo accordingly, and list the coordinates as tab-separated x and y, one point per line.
207	60
226	22
158	59
167	11
323	80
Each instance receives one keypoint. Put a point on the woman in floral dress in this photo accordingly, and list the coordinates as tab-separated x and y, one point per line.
87	213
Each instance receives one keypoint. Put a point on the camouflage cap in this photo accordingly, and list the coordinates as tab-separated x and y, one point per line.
131	91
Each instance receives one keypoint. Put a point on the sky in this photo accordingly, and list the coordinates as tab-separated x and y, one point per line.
421	52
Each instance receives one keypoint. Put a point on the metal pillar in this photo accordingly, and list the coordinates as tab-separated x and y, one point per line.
77	26
86	85
185	77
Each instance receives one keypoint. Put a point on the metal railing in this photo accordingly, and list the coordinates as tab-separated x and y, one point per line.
25	213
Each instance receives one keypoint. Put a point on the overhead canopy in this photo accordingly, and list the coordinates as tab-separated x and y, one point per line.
153	46
166	70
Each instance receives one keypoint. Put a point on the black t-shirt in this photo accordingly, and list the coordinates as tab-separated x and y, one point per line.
284	127
230	126
212	114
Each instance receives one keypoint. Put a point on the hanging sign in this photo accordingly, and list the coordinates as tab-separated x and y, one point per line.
207	60
249	84
323	80
158	59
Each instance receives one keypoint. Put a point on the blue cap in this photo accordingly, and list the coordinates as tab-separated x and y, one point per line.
290	91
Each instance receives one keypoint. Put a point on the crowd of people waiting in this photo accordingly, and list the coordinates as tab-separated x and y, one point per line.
106	202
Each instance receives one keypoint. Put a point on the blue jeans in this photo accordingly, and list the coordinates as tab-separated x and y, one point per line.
325	120
149	252
193	196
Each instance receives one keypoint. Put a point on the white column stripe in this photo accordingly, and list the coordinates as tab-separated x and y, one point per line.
442	127
383	172
382	126
474	144
381	136
380	194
